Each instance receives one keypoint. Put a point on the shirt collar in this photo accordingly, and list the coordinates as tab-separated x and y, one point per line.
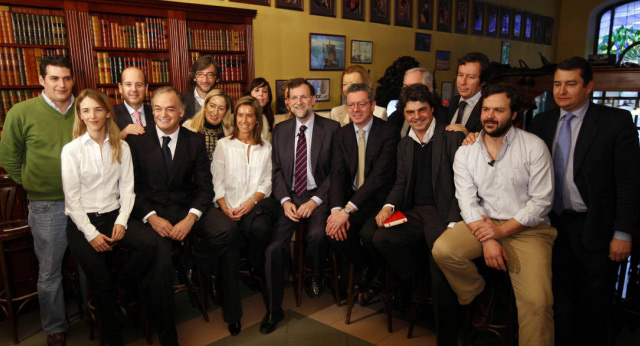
507	139
428	136
579	113
131	110
309	123
50	103
86	139
173	136
366	127
197	97
473	100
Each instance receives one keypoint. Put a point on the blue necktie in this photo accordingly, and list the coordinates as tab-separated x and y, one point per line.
166	153
560	160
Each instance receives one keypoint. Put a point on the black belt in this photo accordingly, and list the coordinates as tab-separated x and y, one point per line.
98	214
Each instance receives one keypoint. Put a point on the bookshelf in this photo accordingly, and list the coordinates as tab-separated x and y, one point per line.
102	37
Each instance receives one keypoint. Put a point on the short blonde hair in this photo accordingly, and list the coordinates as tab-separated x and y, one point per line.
199	119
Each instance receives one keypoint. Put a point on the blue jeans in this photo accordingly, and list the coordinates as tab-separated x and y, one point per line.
48	225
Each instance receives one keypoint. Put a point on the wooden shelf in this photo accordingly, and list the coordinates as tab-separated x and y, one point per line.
204	51
15	45
37	86
134	50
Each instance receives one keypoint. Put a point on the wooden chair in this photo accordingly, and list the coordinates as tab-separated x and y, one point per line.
387	297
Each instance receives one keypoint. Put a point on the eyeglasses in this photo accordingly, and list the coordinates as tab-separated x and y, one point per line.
201	75
360	105
303	98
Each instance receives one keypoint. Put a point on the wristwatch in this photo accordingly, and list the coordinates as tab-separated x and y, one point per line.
347	210
255	202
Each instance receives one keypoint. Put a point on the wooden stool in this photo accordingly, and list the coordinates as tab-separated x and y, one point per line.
200	295
387	299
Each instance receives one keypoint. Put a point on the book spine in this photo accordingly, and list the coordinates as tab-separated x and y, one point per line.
165	35
15	68
104	27
21	71
3	69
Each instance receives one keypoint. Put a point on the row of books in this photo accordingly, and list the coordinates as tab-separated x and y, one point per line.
32	26
127	32
231	66
109	68
21	66
8	98
219	39
232	89
115	97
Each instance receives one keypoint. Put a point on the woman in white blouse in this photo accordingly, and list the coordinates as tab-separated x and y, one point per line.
97	179
241	169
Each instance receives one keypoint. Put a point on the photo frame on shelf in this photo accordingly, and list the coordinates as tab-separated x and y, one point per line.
425	14
361	52
492	20
423	42
322	86
447	93
538	28
478	18
325	8
326	52
353	9
379	11
297	5
443	60
516	32
403	13
504	52
444	15
462	16
505	22
548	30
527	27
281	107
254	2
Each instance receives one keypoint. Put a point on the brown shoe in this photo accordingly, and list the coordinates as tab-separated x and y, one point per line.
56	339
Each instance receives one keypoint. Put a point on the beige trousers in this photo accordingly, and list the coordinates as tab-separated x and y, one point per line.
529	252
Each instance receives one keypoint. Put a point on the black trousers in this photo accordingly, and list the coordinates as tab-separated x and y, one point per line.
256	228
583	285
407	248
278	250
96	266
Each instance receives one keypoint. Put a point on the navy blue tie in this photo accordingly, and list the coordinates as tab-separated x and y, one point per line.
560	160
166	153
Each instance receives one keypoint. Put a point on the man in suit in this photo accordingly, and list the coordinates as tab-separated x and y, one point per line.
595	208
416	75
132	115
464	110
301	171
425	193
362	173
205	74
174	196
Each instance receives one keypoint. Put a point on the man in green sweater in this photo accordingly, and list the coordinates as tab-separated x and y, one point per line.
32	139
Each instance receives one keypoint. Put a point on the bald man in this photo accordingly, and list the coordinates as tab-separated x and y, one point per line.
132	115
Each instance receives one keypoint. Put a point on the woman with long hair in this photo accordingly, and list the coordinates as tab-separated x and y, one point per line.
97	179
214	120
260	89
354	74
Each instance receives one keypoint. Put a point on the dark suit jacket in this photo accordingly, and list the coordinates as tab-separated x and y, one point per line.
189	184
445	144
473	123
380	165
189	105
606	169
123	118
284	139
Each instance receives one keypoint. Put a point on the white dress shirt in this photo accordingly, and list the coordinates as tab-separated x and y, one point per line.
50	103
143	119
518	184
93	183
199	99
237	178
471	104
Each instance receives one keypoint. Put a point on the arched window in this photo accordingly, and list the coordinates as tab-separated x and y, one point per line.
620	28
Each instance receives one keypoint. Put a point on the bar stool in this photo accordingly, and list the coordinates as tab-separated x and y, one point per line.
15	240
386	299
198	297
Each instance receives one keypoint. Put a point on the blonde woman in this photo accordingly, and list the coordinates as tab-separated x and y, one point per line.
97	180
354	74
214	120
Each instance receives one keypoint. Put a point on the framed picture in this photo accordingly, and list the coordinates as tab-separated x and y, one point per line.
297	5
403	13
504	52
353	9
538	29
517	25
361	52
462	16
492	20
379	11
281	108
527	26
423	42
443	59
322	88
447	94
548	30
444	15
505	22
478	18
325	8
326	52
255	2
425	14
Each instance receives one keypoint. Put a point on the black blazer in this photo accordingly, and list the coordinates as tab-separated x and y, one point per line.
606	170
445	144
188	185
123	118
473	123
189	105
284	139
380	165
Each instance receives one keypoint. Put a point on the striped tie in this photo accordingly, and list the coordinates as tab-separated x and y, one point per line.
301	163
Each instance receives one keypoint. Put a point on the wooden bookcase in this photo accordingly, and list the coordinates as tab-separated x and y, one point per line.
102	37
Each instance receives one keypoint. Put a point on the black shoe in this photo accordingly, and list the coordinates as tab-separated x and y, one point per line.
270	321
360	280
235	328
317	287
190	275
213	289
483	303
376	284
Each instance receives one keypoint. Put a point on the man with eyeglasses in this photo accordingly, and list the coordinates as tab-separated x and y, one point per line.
205	73
362	174
301	170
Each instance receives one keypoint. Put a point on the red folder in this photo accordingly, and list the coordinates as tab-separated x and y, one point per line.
396	218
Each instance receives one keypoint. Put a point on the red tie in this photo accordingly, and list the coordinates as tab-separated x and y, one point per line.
301	163
136	117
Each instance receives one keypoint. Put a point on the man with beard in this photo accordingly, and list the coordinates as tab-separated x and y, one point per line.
132	115
301	170
205	73
504	186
